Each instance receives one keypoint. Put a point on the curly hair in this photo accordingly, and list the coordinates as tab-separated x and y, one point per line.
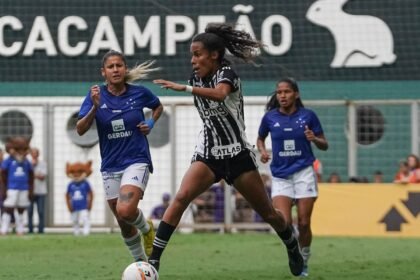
221	36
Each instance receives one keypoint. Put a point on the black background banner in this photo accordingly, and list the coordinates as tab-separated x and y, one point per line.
308	58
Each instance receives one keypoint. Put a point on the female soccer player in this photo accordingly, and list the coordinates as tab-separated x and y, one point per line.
222	151
293	128
117	108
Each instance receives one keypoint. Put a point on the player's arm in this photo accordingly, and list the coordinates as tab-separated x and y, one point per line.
31	184
68	201
219	93
3	182
90	199
265	156
83	124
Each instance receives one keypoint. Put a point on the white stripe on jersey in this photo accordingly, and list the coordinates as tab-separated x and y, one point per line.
223	132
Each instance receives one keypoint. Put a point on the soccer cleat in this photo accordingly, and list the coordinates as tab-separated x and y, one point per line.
148	239
155	264
296	263
305	271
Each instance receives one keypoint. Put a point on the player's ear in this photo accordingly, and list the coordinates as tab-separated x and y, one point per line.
103	72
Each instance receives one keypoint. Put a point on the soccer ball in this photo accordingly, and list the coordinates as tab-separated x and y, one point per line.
140	271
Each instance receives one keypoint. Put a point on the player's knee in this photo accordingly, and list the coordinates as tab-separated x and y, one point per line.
126	212
304	225
182	200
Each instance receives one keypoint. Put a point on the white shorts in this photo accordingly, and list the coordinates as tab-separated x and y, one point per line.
16	198
298	185
136	174
80	217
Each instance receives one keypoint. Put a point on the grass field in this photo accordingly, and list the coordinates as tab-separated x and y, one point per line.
207	256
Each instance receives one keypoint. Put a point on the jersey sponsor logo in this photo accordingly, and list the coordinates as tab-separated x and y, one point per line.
290	154
122	134
276	124
104	106
289	145
118	125
211	112
289	149
232	149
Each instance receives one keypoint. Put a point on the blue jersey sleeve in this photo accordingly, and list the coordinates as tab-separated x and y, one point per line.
315	124
86	106
264	129
150	100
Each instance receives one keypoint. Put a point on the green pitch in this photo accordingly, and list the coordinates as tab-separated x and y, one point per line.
207	256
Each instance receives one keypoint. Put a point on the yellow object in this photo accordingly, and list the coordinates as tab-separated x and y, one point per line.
148	239
367	210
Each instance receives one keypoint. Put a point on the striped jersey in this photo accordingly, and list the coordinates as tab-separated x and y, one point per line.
223	132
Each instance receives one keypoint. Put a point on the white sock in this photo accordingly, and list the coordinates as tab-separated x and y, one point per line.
141	223
5	222
19	224
135	247
306	253
86	223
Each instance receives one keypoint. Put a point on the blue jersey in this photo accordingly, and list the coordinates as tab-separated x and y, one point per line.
120	140
17	173
78	192
291	150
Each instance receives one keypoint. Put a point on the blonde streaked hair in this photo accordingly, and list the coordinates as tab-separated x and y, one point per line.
139	72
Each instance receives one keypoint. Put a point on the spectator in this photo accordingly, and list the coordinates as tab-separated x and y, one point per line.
218	190
404	174
334	178
18	177
414	166
159	210
378	177
318	169
40	192
203	207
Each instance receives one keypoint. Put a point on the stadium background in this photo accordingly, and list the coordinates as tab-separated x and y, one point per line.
370	114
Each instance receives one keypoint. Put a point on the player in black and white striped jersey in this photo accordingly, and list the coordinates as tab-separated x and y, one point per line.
223	151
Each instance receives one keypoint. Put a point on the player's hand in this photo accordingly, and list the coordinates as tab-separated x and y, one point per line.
168	84
95	95
265	157
146	126
310	136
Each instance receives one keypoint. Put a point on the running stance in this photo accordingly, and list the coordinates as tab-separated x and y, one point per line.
292	128
117	107
223	151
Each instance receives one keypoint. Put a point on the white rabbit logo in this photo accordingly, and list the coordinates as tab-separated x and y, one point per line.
361	41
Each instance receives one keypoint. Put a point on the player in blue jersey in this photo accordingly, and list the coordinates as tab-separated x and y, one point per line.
117	107
18	177
292	128
223	151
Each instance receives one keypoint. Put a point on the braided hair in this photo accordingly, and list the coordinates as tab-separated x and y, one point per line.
274	103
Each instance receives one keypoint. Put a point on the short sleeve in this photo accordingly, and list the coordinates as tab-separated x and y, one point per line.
86	106
264	128
229	76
